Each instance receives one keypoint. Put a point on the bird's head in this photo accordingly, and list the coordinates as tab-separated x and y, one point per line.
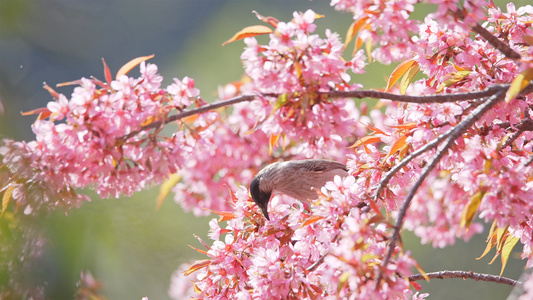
260	196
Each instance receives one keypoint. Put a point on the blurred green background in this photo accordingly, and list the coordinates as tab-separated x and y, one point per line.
125	243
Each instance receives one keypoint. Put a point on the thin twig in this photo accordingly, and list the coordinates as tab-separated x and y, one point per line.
465	275
434	143
458	130
528	162
512	138
317	263
321	259
429	146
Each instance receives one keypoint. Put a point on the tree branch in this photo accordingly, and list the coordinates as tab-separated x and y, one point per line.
495	42
465	275
440	98
489	37
458	130
188	113
434	143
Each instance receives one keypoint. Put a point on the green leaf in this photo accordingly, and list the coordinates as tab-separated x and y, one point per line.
166	187
518	84
282	100
6	198
470	209
508	246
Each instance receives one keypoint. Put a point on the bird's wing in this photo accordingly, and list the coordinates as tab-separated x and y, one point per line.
319	165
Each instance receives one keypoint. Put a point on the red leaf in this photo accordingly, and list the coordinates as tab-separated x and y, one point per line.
107	73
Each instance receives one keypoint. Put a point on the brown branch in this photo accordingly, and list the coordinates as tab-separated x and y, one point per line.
526	125
434	143
188	113
489	37
465	275
440	98
495	42
458	130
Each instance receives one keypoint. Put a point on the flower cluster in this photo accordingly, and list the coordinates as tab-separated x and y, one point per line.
332	251
336	241
227	155
96	138
387	25
461	159
296	67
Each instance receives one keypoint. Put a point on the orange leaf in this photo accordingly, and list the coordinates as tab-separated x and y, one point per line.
458	68
196	289
359	42
501	236
107	73
408	78
201	251
225	215
132	64
249	32
165	189
312	219
375	129
400	70
400	143
491	240
43	113
273	142
353	30
197	265
422	271
518	84
365	141
406	126
74	82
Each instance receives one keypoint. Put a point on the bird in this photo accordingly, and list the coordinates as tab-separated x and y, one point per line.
295	178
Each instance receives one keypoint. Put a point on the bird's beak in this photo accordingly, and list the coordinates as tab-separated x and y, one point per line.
264	209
